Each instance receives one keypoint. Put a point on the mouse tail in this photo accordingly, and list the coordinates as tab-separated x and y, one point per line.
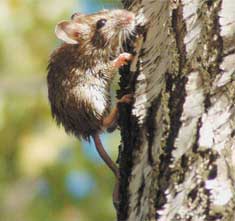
103	154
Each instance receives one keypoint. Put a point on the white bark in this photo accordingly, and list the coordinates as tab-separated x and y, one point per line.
178	155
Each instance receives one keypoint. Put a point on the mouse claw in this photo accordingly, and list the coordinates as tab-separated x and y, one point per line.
122	59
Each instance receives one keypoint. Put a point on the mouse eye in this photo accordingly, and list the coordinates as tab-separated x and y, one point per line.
100	23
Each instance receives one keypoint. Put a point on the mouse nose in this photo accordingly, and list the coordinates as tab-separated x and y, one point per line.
129	16
123	17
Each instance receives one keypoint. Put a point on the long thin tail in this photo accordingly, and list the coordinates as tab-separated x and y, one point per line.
103	154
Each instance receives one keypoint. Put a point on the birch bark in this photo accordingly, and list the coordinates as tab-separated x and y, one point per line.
177	157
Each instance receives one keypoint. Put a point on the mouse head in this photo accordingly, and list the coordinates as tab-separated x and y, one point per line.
102	29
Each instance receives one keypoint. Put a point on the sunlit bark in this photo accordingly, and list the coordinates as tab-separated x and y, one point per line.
177	156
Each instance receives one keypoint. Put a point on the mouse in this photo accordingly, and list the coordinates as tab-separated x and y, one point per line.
81	71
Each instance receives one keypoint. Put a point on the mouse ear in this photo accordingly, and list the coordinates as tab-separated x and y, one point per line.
67	31
75	15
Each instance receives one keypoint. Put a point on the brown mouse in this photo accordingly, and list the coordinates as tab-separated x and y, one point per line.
81	70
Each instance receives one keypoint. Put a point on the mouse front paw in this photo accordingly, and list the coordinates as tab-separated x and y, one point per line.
128	98
122	59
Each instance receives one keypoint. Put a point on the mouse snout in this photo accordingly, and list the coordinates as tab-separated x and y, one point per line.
123	18
127	17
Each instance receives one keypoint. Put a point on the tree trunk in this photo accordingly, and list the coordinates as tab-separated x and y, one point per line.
177	157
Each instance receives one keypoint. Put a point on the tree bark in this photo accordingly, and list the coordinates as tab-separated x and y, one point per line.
177	155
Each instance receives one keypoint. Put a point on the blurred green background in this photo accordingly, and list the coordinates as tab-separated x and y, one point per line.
45	175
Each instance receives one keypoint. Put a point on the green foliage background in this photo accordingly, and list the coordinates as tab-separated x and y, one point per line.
36	156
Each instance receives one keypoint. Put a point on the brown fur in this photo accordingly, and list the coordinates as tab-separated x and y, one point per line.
74	112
